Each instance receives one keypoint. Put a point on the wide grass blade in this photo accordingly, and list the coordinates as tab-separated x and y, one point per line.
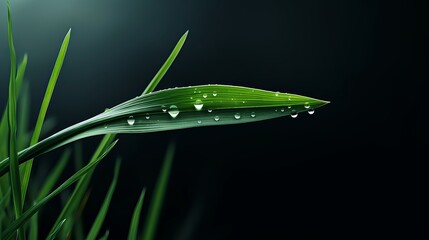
179	108
134	226
44	108
161	72
96	226
36	207
14	175
158	195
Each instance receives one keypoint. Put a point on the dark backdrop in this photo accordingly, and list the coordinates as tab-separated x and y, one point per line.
354	168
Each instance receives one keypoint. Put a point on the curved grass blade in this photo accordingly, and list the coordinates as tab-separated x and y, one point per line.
198	106
14	176
158	195
134	226
161	72
36	207
56	230
96	226
105	236
44	108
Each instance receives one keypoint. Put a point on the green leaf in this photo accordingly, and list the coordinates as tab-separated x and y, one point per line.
56	230
228	104
36	207
158	196
96	226
134	226
161	72
44	108
13	155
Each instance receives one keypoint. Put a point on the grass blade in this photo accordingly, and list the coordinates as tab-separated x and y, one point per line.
161	72
96	226
4	122
56	230
158	195
105	236
36	207
134	226
14	175
75	199
43	109
227	104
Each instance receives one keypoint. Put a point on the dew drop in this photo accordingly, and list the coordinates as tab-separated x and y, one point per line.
311	111
173	111
244	101
294	114
105	126
131	120
147	116
253	114
277	94
199	121
205	95
209	110
214	93
237	116
164	108
198	105
282	110
289	107
216	118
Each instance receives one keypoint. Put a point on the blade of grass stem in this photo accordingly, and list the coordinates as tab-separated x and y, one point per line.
96	226
54	234
134	226
157	200
44	108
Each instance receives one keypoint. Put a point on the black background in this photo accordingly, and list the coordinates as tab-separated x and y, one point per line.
354	168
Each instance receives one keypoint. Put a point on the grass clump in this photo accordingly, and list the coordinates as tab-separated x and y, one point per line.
170	109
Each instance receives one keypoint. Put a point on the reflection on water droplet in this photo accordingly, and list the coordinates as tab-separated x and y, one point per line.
214	93
191	98
244	101
147	116
282	110
289	107
311	111
164	108
209	110
277	93
173	111
294	114
237	116
131	120
199	121
105	126
198	105
216	118
289	98
307	105
275	110
253	114
205	95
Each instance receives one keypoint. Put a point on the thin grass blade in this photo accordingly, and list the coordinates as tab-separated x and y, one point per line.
134	226
14	175
43	109
155	205
54	234
73	203
105	236
96	226
161	72
36	207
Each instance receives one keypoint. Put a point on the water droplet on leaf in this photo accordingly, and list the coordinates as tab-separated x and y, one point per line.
253	114
237	116
311	111
131	120
216	118
198	105
173	111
